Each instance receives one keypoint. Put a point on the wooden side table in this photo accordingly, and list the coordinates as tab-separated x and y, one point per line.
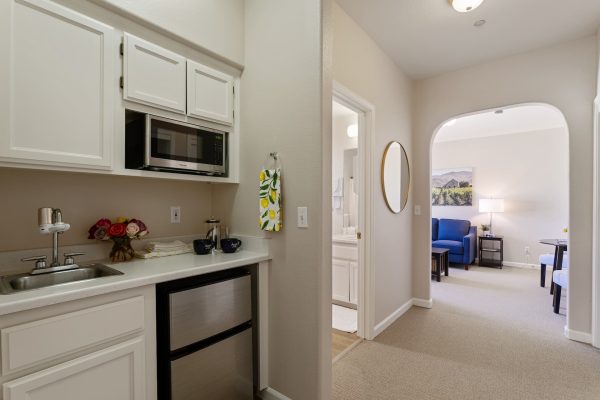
440	256
491	251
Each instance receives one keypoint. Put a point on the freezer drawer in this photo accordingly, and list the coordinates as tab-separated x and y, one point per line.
222	371
204	311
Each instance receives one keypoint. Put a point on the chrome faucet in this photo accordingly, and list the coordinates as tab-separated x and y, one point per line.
50	222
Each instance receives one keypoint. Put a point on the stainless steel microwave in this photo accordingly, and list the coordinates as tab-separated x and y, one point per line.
162	144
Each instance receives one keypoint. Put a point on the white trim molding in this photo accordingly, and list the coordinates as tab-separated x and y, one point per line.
423	303
272	394
578	336
595	232
390	319
520	265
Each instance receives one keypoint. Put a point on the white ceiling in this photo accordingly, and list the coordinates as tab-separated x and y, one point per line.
427	37
512	120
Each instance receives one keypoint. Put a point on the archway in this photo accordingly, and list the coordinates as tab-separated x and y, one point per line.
532	140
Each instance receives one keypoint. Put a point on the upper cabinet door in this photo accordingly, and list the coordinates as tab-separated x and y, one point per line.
153	75
57	85
209	93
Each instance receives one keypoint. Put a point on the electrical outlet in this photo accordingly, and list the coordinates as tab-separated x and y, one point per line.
417	210
175	214
527	251
302	217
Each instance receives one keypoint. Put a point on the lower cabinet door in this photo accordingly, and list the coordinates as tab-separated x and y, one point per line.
353	282
222	371
340	276
115	373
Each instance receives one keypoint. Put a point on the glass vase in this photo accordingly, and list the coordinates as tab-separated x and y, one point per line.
121	250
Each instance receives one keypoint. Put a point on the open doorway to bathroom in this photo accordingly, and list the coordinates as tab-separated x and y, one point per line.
345	227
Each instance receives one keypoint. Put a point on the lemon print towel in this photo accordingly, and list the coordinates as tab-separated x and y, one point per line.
270	200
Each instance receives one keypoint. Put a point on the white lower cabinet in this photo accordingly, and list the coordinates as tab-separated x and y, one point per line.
341	280
353	282
96	348
115	373
344	274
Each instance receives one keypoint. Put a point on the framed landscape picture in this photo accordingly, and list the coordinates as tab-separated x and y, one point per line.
452	187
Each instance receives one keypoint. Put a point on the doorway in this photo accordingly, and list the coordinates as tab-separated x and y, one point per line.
350	218
345	227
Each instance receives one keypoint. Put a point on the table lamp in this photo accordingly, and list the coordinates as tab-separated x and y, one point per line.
491	206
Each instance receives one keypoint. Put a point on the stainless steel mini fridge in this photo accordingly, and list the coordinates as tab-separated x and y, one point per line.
205	337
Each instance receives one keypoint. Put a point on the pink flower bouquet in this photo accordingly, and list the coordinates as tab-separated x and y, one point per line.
121	232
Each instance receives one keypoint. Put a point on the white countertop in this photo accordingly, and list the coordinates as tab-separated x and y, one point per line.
346	239
136	273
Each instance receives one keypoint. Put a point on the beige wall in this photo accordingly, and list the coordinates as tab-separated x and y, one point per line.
530	171
85	198
563	76
281	110
361	66
216	25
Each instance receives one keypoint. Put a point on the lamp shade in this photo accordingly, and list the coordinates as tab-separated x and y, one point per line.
491	205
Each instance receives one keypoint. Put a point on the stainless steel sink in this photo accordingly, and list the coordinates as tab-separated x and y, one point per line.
18	283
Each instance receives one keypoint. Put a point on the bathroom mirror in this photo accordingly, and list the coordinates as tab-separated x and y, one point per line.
395	177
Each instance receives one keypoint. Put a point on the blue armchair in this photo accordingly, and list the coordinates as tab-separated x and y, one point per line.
458	236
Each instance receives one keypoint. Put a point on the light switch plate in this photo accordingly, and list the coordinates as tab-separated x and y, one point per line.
302	217
175	214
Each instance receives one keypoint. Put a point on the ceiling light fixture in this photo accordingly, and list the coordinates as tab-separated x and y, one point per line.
465	5
352	131
479	23
499	111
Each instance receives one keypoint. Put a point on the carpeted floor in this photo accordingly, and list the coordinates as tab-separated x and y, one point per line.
491	335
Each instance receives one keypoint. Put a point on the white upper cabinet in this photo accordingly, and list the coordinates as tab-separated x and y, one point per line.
209	93
153	75
57	85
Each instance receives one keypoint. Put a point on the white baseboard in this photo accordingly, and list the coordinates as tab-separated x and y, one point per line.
272	394
522	265
383	325
578	336
423	303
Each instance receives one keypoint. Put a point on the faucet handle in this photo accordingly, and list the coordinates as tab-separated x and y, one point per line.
69	260
40	261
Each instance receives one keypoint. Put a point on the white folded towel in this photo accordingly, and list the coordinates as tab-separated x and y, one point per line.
167	246
186	248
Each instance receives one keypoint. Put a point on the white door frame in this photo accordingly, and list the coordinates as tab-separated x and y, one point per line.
366	111
596	233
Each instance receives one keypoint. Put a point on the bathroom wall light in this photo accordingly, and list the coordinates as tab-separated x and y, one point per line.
352	131
465	5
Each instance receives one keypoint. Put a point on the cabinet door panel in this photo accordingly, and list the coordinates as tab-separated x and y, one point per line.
353	282
115	373
209	93
57	91
153	75
341	280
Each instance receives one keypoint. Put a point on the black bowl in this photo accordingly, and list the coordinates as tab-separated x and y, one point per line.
230	245
203	246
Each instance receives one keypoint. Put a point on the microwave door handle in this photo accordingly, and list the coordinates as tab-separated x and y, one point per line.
148	140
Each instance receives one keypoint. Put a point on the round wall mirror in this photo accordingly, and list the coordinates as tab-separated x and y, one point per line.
395	177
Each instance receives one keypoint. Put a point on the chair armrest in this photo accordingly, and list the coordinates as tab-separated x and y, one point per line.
470	245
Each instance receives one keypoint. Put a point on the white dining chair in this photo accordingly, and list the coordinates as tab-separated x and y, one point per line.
561	280
548	259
